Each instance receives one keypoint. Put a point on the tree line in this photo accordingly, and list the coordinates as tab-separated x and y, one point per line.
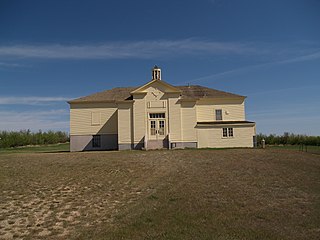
26	137
289	139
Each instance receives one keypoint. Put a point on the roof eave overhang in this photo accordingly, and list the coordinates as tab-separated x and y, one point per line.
105	101
124	101
219	98
188	99
212	124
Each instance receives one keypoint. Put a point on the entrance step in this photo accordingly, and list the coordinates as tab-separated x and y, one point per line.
157	144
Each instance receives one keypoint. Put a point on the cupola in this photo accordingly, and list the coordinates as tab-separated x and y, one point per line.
156	73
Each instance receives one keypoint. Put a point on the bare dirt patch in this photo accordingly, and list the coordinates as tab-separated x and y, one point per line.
183	194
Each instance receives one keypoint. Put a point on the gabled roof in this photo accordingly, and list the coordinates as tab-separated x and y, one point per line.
124	94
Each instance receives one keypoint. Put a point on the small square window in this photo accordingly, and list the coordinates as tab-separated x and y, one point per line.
96	141
218	114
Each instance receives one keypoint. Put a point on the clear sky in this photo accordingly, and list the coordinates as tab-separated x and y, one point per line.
53	51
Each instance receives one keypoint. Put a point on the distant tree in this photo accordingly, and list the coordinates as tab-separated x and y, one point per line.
289	138
26	137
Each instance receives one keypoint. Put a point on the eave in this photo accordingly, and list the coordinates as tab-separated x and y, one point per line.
225	123
105	101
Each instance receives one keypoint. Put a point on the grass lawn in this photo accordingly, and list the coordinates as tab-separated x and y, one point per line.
61	147
304	148
178	194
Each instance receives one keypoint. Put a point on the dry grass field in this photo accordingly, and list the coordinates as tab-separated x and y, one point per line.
181	194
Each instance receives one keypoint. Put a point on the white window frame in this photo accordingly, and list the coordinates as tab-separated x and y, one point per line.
218	115
229	132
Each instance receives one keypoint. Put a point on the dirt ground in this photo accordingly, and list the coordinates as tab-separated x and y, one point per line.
179	194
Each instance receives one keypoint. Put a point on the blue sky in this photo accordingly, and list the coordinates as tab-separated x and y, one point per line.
53	51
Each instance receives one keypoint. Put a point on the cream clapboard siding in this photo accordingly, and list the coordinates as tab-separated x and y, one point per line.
188	122
212	137
232	110
139	117
125	131
81	119
174	119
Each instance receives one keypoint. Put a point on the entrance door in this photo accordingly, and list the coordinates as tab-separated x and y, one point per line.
157	129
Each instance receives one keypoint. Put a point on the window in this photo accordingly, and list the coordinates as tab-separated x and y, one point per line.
153	127
218	114
157	115
227	132
96	141
230	132
161	127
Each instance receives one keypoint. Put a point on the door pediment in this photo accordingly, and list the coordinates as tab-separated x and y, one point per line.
158	87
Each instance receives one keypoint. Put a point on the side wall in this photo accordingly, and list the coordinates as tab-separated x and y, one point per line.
188	124
211	137
125	126
232	109
88	119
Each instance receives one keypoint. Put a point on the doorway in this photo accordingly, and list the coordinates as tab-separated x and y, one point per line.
157	131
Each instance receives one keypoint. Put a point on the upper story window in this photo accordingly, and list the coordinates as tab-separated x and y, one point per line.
218	114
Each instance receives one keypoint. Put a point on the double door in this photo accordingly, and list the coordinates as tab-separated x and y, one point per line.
157	129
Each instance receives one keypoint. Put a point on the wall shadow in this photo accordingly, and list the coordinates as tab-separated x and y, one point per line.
109	141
